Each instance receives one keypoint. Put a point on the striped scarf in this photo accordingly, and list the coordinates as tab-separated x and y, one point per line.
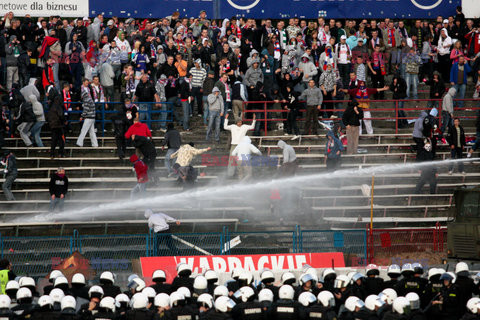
328	58
153	51
67	99
276	50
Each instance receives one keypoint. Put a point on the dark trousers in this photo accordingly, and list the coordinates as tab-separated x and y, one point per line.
7	186
456	153
77	70
198	96
291	122
444	64
165	237
344	70
58	139
378	81
427	176
311	120
333	164
420	143
327	105
121	146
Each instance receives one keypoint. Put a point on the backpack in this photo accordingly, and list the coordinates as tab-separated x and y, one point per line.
27	114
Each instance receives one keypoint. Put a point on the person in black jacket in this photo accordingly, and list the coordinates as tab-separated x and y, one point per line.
428	174
293	106
145	94
10	173
173	141
27	118
147	148
56	122
399	89
121	124
185	93
58	189
456	141
437	89
351	119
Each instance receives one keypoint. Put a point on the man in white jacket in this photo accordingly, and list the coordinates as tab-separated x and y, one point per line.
159	223
238	130
244	151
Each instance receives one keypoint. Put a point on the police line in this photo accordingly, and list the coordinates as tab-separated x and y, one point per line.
253	263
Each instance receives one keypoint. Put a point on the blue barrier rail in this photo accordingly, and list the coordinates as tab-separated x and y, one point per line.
37	256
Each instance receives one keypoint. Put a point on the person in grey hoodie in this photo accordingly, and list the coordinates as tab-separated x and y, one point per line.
289	163
216	109
418	136
40	117
107	75
447	109
30	89
314	98
254	54
253	75
308	68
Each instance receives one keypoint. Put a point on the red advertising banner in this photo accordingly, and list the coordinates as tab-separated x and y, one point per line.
256	262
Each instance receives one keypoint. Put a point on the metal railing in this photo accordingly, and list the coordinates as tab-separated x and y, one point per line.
268	115
37	256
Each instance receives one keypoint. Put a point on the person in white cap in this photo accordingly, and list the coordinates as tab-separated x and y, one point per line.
344	56
158	222
198	77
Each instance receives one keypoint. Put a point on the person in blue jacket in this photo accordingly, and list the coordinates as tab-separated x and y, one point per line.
333	151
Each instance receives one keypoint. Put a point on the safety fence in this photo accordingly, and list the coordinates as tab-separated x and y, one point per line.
400	245
397	111
37	256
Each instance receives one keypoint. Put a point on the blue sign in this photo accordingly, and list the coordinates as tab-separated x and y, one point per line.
278	9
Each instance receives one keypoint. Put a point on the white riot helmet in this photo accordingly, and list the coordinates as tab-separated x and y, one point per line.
159	276
162	300
205	300
265	295
372	302
122	300
435	272
78	278
326	298
246	277
108	303
54	275
44	301
461	267
137	285
5	301
95	292
236	273
372	269
150	293
247	293
473	305
139	301
220	291
183	270
304	278
388	295
328	272
211	276
341	281
131	277
11	288
288	278
414	300
394	271
286	292
57	295
176	299
267	276
307	298
224	304
200	285
107	277
352	303
24	293
61	282
357	276
26	282
401	305
68	302
185	292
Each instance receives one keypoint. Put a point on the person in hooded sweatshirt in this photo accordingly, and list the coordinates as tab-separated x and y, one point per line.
333	151
418	131
289	162
244	151
314	98
447	109
40	120
308	68
253	75
58	189
56	122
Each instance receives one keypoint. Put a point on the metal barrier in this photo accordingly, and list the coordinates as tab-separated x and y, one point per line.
37	256
400	244
352	243
267	114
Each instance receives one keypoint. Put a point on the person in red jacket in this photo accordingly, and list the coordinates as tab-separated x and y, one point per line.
473	42
141	170
138	129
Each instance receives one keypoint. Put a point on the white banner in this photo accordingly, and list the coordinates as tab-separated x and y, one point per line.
470	8
45	8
